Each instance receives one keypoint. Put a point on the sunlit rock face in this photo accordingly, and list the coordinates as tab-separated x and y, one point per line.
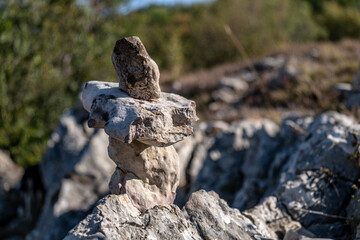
157	123
142	124
138	74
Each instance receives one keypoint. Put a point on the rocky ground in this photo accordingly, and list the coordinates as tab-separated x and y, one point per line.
292	175
308	79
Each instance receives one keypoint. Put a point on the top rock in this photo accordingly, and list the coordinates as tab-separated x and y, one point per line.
138	74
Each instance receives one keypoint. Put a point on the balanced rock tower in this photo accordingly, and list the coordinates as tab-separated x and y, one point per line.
142	123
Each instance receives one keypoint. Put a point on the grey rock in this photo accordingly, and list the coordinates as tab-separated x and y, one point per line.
115	217
193	150
353	100
292	182
270	63
216	220
328	144
10	173
230	90
237	160
343	88
313	198
353	209
308	164
75	171
288	73
157	123
205	216
54	196
138	74
356	81
271	218
247	76
353	213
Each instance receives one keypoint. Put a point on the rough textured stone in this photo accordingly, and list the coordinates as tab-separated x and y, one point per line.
115	217
75	172
55	195
138	74
303	194
205	216
310	165
158	123
139	121
148	175
238	160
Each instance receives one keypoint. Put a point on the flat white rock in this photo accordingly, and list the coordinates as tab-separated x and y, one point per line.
160	122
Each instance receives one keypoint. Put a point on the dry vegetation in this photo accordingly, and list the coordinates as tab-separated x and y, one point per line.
319	68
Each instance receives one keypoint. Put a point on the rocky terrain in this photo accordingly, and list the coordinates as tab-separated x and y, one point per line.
242	178
308	79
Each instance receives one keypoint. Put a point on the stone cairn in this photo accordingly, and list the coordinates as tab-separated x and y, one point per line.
142	123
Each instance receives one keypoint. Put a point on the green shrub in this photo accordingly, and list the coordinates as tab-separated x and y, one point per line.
47	50
340	22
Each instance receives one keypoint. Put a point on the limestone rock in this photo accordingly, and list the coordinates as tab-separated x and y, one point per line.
237	161
205	216
157	123
310	165
216	220
138	74
148	175
54	196
75	171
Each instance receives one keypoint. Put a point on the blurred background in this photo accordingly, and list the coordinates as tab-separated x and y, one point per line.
49	48
238	59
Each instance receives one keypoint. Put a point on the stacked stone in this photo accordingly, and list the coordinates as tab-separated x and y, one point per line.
142	123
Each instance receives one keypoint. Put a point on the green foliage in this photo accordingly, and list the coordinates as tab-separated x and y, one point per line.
47	49
182	39
339	21
318	5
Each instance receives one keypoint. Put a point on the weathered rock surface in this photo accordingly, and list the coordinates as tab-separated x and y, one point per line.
205	216
295	183
301	186
309	165
55	195
138	74
353	213
233	161
157	123
148	175
142	124
75	171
